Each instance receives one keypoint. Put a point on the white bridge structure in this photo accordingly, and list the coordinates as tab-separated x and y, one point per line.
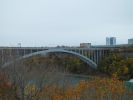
92	56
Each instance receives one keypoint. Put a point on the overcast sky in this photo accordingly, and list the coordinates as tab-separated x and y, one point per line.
64	22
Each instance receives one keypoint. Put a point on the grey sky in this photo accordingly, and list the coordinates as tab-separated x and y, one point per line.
64	22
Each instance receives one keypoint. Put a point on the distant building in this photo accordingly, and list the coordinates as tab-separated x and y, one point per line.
110	40
85	45
130	41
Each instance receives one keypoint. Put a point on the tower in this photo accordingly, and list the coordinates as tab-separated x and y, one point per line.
111	41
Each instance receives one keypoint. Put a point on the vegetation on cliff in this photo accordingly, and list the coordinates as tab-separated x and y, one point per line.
120	63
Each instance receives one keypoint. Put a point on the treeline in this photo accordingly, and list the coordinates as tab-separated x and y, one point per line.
119	63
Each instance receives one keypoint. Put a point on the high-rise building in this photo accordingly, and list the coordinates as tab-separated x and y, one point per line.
110	40
130	41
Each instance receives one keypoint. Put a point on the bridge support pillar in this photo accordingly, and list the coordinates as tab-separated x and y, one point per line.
82	52
95	54
10	50
89	54
17	52
30	50
100	55
2	56
24	51
97	57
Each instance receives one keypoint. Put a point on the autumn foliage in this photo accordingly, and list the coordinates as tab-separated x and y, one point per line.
7	90
96	89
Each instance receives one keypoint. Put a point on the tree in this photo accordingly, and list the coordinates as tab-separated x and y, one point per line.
117	63
8	91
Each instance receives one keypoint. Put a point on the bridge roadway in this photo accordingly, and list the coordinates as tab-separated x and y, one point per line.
91	56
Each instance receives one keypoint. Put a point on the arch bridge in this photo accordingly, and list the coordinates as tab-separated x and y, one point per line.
92	56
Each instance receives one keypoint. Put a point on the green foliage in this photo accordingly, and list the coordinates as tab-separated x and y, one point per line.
117	63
